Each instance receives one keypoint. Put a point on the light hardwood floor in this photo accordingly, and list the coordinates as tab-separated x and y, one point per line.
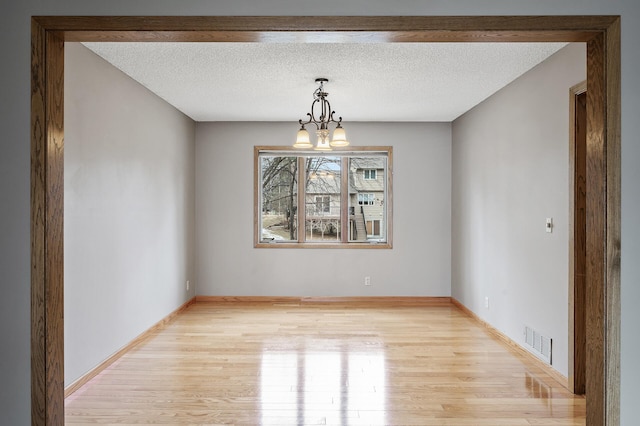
323	364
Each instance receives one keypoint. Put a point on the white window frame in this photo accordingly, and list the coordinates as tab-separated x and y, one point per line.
384	242
367	174
366	198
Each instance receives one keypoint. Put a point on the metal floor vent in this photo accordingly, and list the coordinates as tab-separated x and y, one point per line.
539	344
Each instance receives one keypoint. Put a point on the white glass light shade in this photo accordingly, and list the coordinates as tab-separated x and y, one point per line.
339	138
323	140
302	140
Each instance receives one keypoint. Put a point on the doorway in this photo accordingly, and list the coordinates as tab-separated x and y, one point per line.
602	35
577	237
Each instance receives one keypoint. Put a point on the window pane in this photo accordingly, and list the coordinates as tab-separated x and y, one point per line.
279	198
367	193
322	198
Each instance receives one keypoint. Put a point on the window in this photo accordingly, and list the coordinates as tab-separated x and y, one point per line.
323	204
365	199
370	174
340	198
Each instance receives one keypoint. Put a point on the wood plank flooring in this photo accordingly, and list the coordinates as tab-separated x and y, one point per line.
323	364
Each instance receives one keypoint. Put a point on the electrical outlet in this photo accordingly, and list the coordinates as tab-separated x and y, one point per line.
486	302
367	280
187	285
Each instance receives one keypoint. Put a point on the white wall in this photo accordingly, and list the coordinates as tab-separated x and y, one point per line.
15	149
129	209
418	264
510	172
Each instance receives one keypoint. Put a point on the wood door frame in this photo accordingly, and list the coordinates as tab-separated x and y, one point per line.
577	257
601	34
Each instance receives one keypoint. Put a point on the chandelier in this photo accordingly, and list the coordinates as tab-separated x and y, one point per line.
323	143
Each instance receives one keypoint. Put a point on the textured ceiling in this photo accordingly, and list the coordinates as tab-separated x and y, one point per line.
368	82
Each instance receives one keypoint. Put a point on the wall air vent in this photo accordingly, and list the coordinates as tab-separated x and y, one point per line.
538	344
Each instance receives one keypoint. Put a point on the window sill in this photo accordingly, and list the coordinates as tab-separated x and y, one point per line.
354	245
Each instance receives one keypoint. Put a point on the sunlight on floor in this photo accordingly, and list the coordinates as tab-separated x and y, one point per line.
309	386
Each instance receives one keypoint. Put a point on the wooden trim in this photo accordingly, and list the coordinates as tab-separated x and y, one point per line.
596	233
69	390
39	392
603	228
556	375
344	196
612	221
347	300
308	245
577	244
289	149
350	29
389	198
256	197
301	214
602	34
47	209
344	200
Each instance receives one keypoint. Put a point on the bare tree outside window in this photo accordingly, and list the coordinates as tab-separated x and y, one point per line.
279	198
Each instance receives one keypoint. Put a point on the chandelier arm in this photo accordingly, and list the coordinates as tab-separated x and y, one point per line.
311	120
312	115
331	119
313	111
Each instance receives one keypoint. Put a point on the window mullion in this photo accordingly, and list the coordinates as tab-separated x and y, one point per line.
344	199
302	194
